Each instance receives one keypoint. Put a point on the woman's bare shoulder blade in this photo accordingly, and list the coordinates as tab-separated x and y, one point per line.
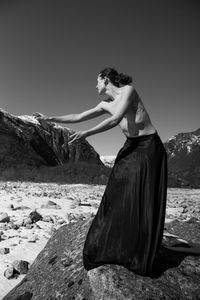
100	107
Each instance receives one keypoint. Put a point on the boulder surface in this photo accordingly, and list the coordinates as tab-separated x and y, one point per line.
58	273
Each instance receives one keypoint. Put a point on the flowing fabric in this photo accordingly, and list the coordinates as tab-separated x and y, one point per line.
128	227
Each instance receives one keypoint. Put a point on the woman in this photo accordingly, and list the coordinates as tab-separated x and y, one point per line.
128	227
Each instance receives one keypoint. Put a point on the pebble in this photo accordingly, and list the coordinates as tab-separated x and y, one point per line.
47	219
4	218
60	221
11	206
27	221
21	266
4	250
84	204
22	207
14	226
9	272
35	216
29	226
19	223
33	239
50	204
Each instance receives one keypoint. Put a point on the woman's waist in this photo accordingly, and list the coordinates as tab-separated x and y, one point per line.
135	130
143	140
141	136
144	144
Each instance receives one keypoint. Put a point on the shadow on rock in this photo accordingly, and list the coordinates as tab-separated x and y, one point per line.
167	259
25	296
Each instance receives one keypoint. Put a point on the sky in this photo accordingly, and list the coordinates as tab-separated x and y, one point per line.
51	52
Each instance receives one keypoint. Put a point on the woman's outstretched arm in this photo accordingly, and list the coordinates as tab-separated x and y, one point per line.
76	118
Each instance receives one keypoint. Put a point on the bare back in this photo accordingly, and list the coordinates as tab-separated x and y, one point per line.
136	120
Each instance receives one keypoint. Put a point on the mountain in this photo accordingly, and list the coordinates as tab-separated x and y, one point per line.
108	160
183	152
26	141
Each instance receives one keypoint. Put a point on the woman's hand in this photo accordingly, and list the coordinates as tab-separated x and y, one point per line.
77	136
40	117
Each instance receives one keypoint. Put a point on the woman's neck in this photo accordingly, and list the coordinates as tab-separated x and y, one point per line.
112	91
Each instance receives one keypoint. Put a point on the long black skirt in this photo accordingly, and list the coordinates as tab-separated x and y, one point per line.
128	227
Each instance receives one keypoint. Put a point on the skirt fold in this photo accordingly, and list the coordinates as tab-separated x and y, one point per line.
128	227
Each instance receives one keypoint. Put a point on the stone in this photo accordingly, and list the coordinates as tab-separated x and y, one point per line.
22	207
73	217
33	239
84	204
19	223
61	221
29	226
50	204
47	219
14	244
58	273
14	226
27	221
35	216
3	226
11	206
4	250
4	218
9	272
21	266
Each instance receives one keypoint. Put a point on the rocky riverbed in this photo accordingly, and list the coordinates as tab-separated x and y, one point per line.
31	212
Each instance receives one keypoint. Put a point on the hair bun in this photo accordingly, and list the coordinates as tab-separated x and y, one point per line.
114	77
117	78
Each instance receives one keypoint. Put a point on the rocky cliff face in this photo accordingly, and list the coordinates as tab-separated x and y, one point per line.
183	152
25	141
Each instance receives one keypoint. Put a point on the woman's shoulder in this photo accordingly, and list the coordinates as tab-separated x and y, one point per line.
129	88
105	104
128	91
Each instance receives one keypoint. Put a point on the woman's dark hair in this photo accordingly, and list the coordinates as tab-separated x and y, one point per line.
115	77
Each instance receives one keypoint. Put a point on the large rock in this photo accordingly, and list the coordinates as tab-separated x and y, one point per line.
58	273
4	218
25	141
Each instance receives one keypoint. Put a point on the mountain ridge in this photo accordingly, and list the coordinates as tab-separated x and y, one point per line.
183	151
25	140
